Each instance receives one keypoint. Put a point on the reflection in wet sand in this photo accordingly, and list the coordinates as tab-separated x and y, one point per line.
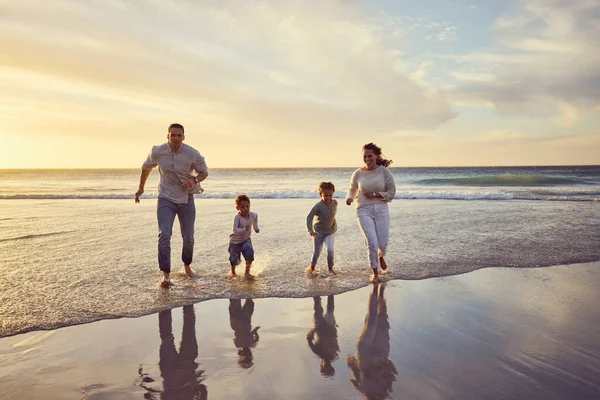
322	339
245	338
374	373
178	370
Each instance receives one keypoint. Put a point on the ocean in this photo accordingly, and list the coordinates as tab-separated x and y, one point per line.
75	248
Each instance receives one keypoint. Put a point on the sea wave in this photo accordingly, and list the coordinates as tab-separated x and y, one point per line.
32	236
505	180
559	195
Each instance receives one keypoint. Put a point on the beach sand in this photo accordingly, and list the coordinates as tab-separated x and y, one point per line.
494	333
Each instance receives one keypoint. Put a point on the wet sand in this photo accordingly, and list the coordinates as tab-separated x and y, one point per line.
497	333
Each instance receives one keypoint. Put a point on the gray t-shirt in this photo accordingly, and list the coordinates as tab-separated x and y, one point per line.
321	219
175	169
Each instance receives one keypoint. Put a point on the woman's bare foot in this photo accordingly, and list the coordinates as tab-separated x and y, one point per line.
382	263
189	272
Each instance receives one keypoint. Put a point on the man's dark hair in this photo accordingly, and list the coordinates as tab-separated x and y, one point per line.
176	125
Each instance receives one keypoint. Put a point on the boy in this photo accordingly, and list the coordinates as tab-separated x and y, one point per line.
239	239
323	229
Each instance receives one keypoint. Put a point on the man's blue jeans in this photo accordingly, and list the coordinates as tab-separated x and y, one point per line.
166	212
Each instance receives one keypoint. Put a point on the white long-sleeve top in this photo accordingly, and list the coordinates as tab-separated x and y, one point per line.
379	180
242	227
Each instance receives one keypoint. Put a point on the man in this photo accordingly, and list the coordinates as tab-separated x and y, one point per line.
176	163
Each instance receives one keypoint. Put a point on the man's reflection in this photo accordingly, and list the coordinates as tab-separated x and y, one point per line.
374	373
322	339
245	338
181	380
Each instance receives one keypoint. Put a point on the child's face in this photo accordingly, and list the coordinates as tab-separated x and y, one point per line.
327	196
244	208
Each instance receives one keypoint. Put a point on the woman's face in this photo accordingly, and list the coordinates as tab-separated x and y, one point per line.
370	158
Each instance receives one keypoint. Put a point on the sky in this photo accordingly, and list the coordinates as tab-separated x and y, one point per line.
298	83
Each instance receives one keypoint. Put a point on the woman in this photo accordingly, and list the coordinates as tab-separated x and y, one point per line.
375	187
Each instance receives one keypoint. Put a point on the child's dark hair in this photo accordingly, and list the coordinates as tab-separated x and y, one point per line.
326	186
381	160
240	198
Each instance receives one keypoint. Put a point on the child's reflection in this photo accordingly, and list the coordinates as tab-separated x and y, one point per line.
181	380
374	373
245	337
322	339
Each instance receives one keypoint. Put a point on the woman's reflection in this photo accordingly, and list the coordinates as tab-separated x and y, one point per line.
177	369
322	339
374	373
240	319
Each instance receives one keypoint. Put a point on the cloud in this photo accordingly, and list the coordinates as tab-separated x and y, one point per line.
546	60
269	65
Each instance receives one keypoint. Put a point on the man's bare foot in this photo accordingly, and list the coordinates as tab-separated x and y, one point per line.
166	280
232	274
189	272
310	269
332	271
374	278
248	276
382	263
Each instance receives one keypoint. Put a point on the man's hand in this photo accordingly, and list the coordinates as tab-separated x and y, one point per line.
138	194
189	184
312	234
348	201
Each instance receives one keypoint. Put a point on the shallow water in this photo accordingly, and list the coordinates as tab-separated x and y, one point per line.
67	262
490	334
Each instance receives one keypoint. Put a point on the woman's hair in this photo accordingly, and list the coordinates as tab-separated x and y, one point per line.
381	160
240	198
325	186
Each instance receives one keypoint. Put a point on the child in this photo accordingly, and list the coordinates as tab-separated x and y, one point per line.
239	240
324	227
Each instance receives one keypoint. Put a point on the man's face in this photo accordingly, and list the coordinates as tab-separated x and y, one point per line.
175	137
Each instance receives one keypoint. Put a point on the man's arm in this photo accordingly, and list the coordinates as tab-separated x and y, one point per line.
143	178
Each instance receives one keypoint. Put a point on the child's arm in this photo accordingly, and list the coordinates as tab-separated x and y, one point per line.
255	223
237	226
309	220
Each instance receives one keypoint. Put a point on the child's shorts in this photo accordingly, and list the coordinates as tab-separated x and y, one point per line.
245	248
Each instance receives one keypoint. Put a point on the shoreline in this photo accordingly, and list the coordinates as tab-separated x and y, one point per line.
495	332
339	291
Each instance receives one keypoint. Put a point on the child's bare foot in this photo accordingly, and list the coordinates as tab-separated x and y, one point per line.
332	271
382	263
189	272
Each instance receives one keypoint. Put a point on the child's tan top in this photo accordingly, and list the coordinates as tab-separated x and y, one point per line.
242	227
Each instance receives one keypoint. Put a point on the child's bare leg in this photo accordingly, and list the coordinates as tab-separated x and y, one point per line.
166	280
248	266
189	272
232	272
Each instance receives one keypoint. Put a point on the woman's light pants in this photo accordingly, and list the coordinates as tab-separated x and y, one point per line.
374	222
